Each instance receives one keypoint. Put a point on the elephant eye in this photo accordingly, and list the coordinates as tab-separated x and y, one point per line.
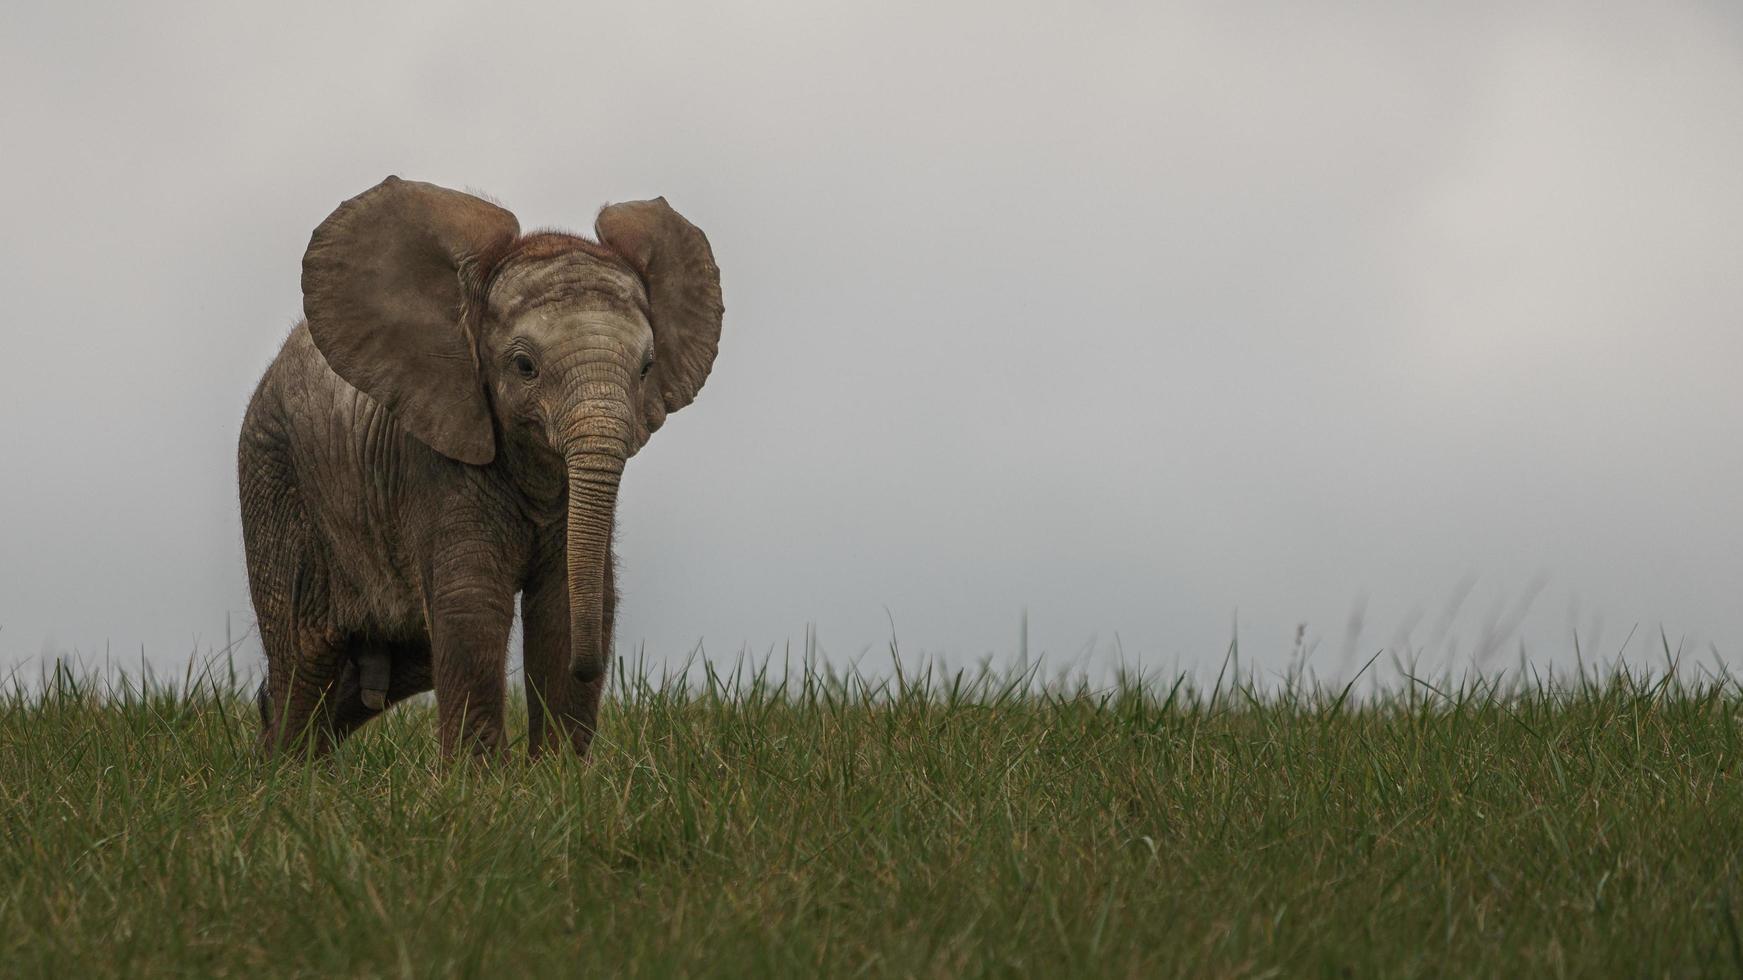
647	364
524	365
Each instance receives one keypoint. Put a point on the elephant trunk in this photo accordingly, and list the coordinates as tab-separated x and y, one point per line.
594	468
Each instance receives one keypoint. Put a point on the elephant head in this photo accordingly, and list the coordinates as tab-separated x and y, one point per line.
432	303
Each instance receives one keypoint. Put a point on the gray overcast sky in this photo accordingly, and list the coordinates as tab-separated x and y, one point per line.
1143	316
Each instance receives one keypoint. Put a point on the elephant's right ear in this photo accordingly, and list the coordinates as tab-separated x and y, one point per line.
390	283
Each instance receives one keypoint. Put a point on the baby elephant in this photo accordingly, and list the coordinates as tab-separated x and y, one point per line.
447	429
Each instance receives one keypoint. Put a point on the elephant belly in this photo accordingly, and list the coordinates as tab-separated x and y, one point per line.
375	605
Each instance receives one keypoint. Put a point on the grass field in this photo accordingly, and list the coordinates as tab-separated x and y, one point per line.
942	827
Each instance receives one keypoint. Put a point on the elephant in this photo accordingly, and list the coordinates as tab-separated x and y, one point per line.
445	429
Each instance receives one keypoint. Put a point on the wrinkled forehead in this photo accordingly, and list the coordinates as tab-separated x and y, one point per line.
572	280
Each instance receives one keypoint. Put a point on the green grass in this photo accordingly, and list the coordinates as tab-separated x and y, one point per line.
942	827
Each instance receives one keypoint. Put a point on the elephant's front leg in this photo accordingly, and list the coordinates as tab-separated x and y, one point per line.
560	709
470	607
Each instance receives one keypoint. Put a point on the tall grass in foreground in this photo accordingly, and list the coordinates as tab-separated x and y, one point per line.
943	825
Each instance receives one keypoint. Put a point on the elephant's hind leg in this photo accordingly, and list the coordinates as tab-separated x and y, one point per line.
302	684
287	581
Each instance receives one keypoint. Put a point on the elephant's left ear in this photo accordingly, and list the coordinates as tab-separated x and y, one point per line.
390	284
683	283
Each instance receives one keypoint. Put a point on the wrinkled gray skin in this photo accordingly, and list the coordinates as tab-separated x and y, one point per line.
447	429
